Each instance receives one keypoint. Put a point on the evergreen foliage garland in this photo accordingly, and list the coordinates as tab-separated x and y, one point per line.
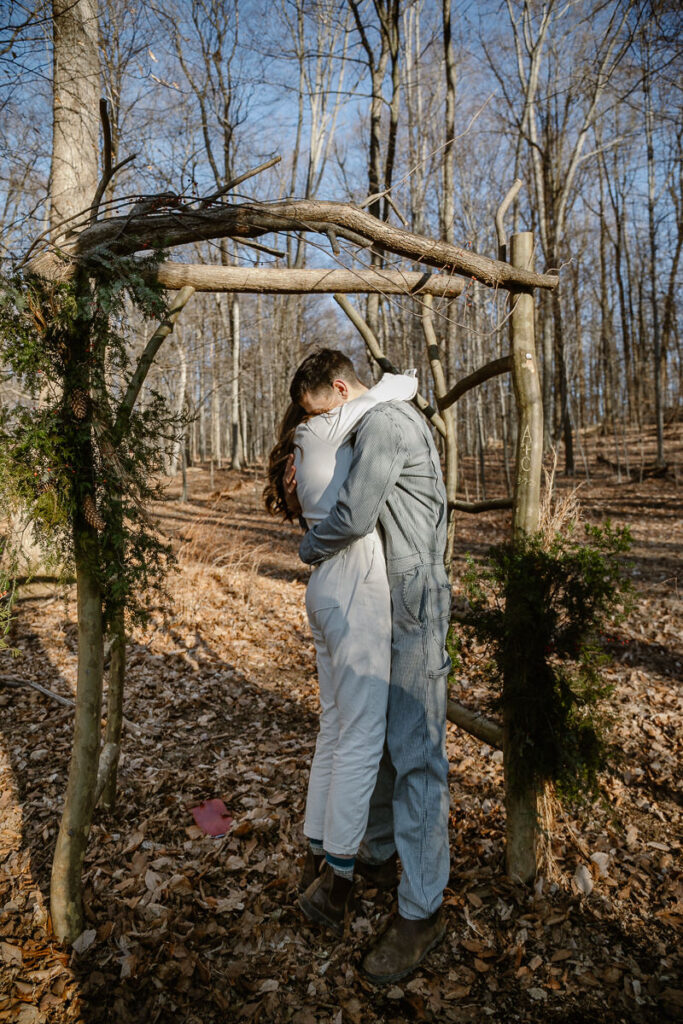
68	403
542	606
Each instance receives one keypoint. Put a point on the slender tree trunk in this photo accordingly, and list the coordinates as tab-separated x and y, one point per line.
112	735
565	423
215	406
66	888
183	471
548	370
66	899
448	416
448	224
179	404
625	313
652	238
521	802
74	177
608	384
237	455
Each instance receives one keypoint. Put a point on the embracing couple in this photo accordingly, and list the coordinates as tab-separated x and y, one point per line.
360	467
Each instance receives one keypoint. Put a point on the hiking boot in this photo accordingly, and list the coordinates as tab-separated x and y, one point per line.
327	899
382	876
311	869
403	946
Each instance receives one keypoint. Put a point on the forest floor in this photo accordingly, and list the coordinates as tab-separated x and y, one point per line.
221	697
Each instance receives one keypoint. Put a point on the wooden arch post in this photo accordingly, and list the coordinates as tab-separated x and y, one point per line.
527	393
521	800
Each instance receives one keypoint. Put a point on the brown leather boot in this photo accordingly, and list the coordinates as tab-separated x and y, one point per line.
311	869
327	899
382	876
403	946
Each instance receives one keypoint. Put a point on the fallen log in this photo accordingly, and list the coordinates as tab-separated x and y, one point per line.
475	724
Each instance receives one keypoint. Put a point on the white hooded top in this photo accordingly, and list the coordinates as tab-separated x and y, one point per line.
323	452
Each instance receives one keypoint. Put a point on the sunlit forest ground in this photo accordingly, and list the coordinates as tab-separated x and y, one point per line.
221	702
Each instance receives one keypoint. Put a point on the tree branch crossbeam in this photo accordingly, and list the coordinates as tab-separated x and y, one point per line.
277	280
131	234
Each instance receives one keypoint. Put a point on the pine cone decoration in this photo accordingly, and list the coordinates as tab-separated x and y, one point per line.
92	516
79	403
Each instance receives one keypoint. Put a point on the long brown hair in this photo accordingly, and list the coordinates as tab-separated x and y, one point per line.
274	491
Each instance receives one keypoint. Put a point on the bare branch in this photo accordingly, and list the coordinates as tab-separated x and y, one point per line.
262	248
17	681
108	171
484	373
238	181
500	214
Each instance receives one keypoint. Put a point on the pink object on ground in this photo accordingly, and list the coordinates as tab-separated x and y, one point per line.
212	817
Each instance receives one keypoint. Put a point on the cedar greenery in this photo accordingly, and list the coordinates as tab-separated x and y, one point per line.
543	605
44	436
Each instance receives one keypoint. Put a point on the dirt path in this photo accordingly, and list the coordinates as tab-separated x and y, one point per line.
222	696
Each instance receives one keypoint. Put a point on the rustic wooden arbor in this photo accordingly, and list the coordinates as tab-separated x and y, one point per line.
171	223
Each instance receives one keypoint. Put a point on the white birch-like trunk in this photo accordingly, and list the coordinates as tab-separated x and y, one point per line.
236	446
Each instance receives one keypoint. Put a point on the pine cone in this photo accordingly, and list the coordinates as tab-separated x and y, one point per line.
79	403
92	516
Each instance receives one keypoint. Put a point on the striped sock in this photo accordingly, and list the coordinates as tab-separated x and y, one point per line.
341	865
316	846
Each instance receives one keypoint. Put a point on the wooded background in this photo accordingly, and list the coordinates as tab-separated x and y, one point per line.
432	109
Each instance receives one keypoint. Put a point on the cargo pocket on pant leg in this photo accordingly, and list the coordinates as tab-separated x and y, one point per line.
439	603
409	612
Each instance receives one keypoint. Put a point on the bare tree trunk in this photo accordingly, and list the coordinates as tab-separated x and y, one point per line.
237	457
112	735
565	424
435	362
387	13
183	470
652	238
448	224
76	92
179	404
215	406
521	801
608	383
66	900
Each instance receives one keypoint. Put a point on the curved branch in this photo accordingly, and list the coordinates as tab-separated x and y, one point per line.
108	171
500	214
484	373
127	235
152	347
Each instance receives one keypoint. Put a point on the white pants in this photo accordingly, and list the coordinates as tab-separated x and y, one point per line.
349	611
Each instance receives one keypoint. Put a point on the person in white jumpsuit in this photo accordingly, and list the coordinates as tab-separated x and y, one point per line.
349	611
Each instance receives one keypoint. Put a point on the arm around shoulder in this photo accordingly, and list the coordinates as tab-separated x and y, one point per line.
379	456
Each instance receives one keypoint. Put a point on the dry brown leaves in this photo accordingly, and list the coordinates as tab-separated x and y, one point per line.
221	690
